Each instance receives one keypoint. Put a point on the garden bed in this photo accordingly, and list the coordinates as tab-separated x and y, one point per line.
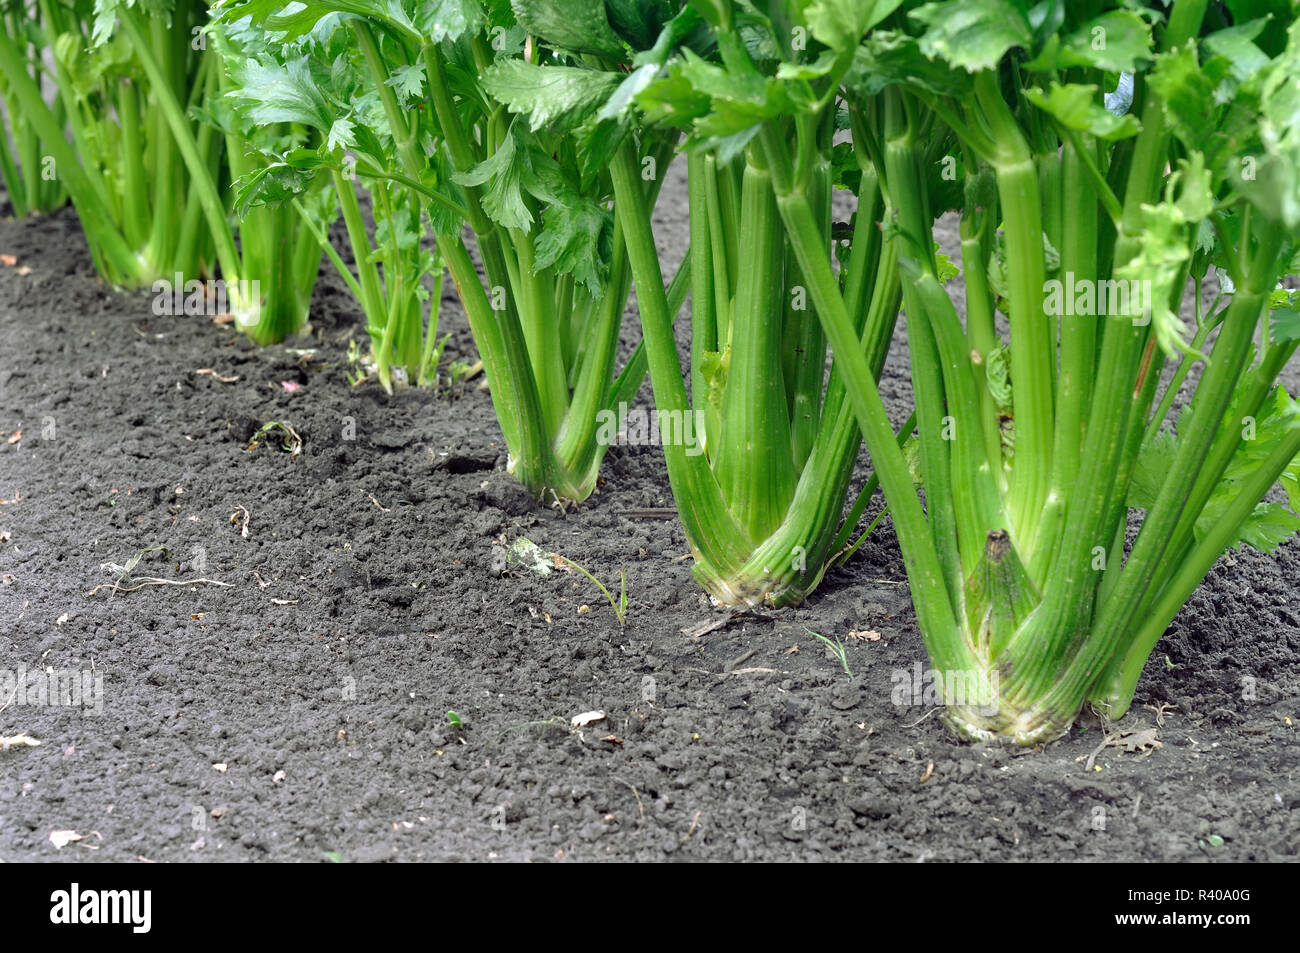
301	712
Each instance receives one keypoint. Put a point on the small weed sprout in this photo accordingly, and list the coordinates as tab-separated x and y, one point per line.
837	649
619	605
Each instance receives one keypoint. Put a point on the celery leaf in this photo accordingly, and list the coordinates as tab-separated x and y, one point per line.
557	97
972	35
1076	107
501	173
578	25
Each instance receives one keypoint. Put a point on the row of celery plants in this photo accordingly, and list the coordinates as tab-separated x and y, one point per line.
426	93
1035	452
761	480
142	141
534	136
533	124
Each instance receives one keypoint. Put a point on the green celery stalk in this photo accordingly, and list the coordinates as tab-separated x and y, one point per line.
754	456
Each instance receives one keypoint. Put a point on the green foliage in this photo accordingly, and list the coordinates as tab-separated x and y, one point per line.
1076	107
971	34
503	174
578	25
1269	524
1118	42
557	97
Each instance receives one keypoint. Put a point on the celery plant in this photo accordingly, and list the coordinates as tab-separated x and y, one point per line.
501	133
269	274
1034	452
763	507
25	172
316	82
122	169
151	156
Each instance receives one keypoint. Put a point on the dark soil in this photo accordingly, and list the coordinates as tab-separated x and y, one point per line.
302	713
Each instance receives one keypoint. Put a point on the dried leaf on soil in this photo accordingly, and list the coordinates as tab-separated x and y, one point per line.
1145	740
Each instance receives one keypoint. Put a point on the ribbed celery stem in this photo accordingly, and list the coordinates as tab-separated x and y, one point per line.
754	463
